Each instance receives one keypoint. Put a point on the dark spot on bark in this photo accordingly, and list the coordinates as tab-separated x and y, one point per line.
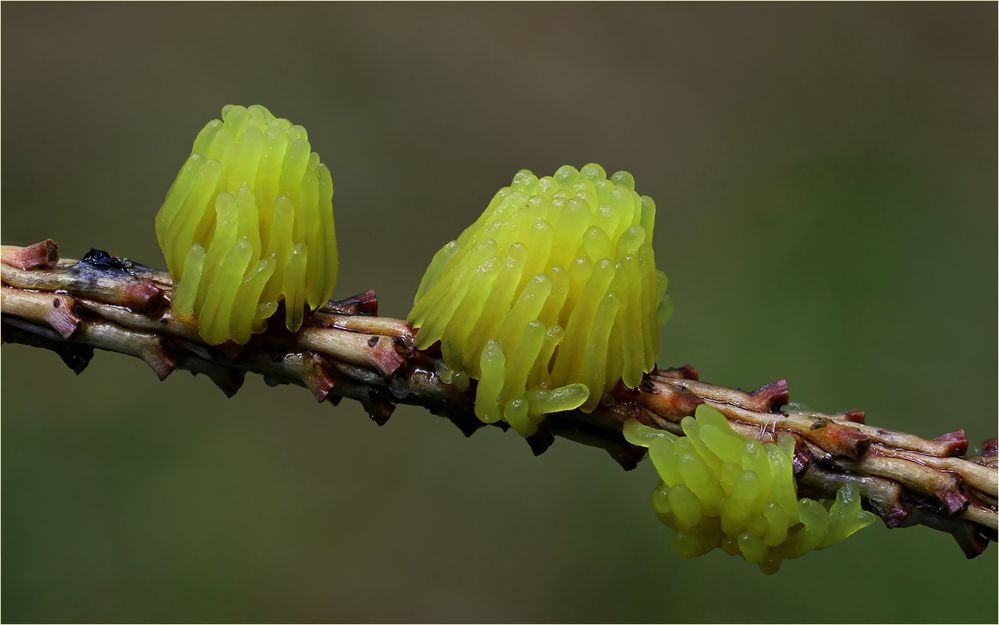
99	259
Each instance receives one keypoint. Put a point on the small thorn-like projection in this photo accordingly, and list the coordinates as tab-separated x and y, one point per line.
541	440
466	424
956	442
377	407
227	380
989	447
770	397
854	416
42	254
361	304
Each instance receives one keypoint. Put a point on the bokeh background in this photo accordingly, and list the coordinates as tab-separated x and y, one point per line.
826	177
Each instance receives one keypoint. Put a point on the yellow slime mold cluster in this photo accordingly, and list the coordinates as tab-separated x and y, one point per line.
720	489
248	223
549	298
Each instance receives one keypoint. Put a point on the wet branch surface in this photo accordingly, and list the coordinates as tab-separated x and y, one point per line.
346	350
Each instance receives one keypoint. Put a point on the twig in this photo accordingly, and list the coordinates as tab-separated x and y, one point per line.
345	350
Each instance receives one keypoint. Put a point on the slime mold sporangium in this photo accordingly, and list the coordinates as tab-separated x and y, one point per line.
549	298
248	223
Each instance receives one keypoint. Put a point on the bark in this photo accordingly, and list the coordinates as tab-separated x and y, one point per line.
346	350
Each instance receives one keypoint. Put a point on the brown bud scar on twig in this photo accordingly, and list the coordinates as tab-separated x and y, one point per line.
305	369
373	401
351	347
386	354
309	369
987	456
770	397
315	376
854	416
667	402
365	303
55	310
366	325
989	447
839	440
42	254
143	295
954	443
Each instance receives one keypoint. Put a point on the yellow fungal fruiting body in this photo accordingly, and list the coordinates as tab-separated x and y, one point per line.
549	298
248	223
720	489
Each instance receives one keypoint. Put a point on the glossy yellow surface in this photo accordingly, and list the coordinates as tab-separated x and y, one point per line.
720	489
248	223
550	297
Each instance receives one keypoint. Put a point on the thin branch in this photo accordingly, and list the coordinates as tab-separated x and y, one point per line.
345	350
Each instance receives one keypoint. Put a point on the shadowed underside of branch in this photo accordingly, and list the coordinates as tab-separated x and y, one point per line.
346	350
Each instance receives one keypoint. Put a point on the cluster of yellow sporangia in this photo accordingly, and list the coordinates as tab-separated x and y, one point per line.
548	300
720	489
550	297
248	223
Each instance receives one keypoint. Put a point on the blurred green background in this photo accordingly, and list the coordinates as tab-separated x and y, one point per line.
826	177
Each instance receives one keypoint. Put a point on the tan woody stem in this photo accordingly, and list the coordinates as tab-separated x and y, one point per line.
345	350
